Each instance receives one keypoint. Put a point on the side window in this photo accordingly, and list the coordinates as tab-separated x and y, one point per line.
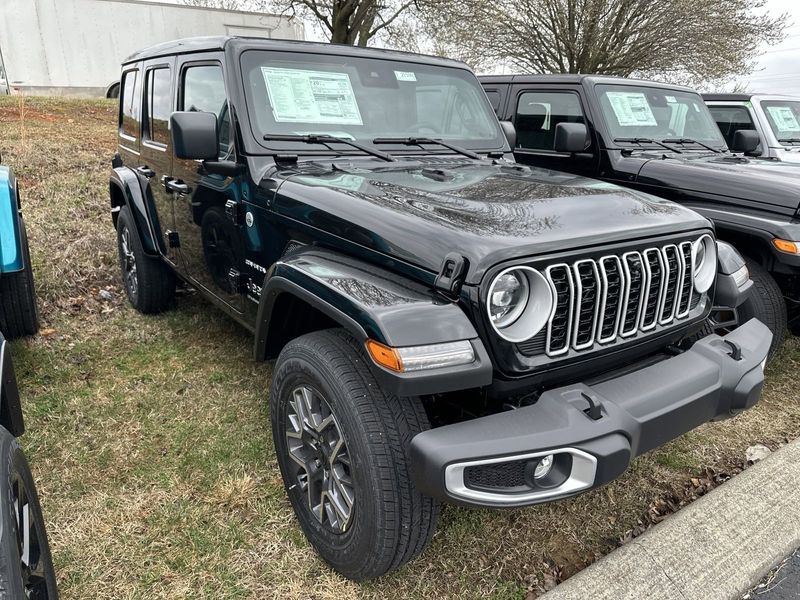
538	113
494	100
158	105
204	91
129	105
730	119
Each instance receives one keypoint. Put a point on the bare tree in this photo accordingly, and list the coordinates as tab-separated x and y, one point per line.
688	40
352	22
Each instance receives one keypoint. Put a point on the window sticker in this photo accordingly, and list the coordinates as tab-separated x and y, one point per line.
299	96
405	76
670	99
631	109
784	118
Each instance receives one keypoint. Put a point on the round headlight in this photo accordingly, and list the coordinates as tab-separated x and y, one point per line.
519	303
704	259
508	298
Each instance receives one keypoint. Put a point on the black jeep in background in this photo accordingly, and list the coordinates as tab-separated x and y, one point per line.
447	325
661	139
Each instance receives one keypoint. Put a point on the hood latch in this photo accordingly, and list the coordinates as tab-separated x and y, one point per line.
451	275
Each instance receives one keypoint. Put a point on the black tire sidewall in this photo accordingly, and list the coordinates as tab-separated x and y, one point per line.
125	222
766	304
357	544
13	462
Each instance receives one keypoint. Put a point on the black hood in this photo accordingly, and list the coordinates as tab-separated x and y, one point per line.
486	212
752	180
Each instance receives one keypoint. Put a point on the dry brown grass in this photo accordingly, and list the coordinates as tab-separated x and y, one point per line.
150	442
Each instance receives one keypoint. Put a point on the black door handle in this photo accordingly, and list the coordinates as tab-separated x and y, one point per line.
146	172
176	185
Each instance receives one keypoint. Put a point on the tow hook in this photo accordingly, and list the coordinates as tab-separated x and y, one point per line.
736	350
593	412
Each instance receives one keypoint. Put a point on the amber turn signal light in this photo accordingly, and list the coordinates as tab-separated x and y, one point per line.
385	356
786	246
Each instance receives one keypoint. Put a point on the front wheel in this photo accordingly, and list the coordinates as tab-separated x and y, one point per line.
342	445
766	304
26	565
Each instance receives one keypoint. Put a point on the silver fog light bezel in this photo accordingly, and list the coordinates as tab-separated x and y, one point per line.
537	311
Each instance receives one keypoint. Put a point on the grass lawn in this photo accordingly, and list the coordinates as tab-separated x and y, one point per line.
150	443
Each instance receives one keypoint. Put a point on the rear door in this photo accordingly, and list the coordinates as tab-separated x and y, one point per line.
156	145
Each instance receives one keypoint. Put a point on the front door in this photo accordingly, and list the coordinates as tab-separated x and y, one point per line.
537	113
212	244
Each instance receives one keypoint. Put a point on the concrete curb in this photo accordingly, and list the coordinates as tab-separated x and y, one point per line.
718	547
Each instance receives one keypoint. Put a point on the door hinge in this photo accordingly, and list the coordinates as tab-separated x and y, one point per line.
451	275
234	212
238	281
173	240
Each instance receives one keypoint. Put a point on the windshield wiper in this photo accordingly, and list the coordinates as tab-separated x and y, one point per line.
419	141
690	141
641	141
326	140
789	141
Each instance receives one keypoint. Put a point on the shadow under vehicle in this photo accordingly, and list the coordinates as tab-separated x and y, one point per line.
447	325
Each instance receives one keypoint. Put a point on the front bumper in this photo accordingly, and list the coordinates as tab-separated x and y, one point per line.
490	461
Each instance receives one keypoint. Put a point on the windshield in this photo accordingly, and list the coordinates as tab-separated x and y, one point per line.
784	119
362	99
657	114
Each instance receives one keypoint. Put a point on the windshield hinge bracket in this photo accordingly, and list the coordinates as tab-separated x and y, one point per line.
451	275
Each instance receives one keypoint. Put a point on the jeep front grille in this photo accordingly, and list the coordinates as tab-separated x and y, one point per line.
598	301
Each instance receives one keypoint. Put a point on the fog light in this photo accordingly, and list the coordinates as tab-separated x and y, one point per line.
543	467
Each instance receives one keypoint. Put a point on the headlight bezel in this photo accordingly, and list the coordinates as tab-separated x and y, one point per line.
704	273
538	309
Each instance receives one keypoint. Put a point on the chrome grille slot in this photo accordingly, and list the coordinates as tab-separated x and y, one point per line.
598	301
560	325
634	283
673	266
587	303
610	298
687	287
654	267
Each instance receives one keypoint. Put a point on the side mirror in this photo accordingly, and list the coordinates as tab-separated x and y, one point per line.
745	140
570	137
510	133
194	135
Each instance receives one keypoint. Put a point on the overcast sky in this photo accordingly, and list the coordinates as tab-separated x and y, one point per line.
778	69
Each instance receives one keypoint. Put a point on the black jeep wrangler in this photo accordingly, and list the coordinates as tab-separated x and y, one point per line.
661	139
447	325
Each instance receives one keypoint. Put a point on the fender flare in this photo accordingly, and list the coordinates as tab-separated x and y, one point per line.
127	184
11	250
372	303
10	407
760	229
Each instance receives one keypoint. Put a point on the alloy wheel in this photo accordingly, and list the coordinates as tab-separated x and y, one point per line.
322	464
129	262
32	566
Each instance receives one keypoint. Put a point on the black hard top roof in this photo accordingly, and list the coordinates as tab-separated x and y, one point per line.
728	97
212	43
570	78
